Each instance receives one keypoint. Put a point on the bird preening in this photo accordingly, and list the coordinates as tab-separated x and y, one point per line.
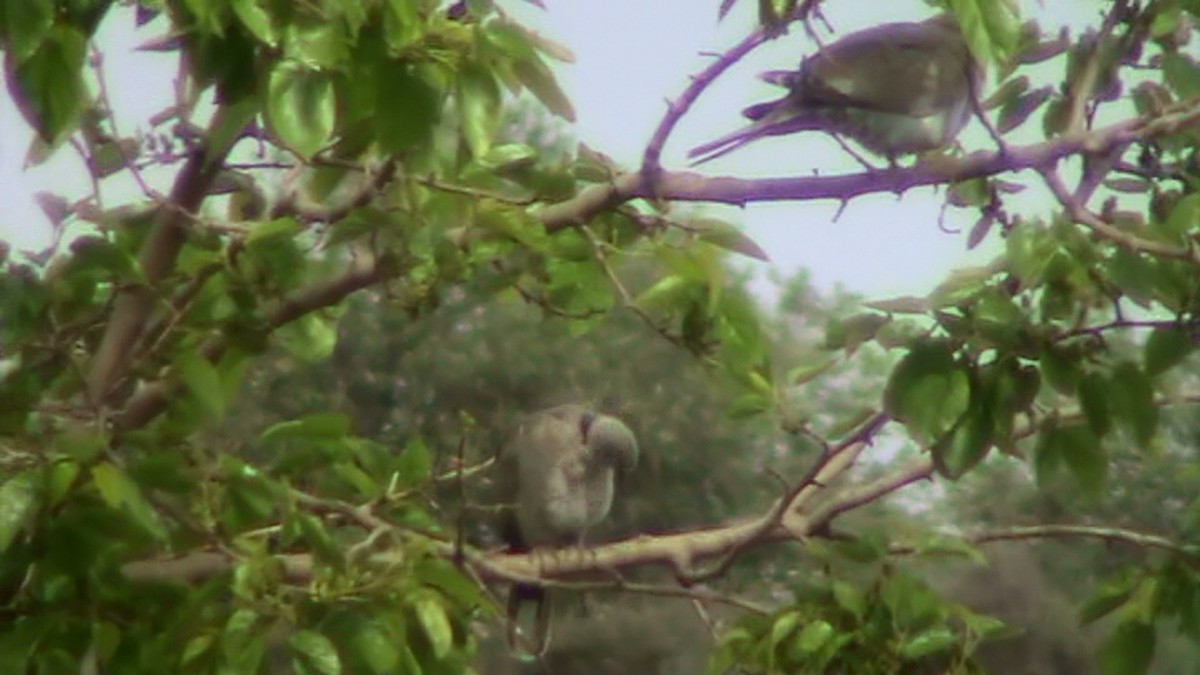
555	480
895	89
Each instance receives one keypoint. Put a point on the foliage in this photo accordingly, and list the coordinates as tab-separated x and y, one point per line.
364	241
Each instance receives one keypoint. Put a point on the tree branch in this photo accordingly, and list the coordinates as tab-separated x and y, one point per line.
157	257
689	186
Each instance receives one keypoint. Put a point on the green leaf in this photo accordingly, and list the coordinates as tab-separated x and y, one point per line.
317	427
478	107
814	636
932	641
197	647
204	382
724	235
1166	348
851	332
119	491
316	532
783	627
509	156
106	636
359	479
311	338
266	233
949	546
1129	650
61	480
318	45
1181	74
242	644
1084	456
1132	397
538	79
1093	399
51	86
256	20
967	443
374	647
1017	111
316	652
928	391
992	29
447	578
301	107
80	444
1060	369
406	107
415	463
432	617
19	502
850	598
26	25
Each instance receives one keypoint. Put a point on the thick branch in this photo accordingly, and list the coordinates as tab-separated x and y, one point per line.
157	257
688	186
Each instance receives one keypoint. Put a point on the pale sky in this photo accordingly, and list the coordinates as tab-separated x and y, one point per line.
631	56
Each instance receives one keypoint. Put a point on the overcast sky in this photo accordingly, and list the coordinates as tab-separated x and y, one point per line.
631	56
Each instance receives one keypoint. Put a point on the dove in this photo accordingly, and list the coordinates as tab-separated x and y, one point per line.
896	89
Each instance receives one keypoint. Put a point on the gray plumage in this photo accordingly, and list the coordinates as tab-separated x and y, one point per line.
555	478
897	88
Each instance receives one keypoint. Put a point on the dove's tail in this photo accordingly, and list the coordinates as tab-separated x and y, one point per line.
771	119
